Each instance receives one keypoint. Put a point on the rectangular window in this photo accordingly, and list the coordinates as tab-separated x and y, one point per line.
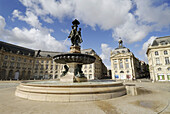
25	60
12	64
19	58
37	61
42	61
115	65
6	57
46	67
165	52
115	61
42	67
127	65
51	67
36	66
90	76
18	65
126	60
56	67
157	61
121	65
4	63
167	60
12	58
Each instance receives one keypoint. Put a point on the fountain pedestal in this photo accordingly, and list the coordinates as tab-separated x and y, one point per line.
70	76
75	49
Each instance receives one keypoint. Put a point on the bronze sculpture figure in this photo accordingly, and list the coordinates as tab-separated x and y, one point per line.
75	35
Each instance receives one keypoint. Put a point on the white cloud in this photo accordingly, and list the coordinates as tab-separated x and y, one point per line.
107	14
145	46
32	38
150	41
130	31
105	56
157	15
48	20
66	31
2	23
30	18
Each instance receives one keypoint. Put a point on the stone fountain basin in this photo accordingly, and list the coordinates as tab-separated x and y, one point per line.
74	58
69	92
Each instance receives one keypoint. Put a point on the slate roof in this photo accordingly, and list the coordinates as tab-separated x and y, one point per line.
16	49
161	41
47	53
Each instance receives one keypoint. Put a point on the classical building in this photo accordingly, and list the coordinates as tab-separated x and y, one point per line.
125	66
96	70
17	62
159	59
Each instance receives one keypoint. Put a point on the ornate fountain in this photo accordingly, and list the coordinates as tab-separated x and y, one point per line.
66	90
74	59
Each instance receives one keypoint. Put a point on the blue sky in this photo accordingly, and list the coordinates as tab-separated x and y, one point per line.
45	24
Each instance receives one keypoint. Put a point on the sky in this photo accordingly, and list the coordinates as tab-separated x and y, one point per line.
46	24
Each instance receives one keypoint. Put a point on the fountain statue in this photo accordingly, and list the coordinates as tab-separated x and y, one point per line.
73	85
74	59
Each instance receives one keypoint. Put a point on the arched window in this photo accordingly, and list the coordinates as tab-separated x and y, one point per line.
29	75
121	71
163	43
10	75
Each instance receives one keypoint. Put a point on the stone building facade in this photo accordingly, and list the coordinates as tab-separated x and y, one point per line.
125	66
158	54
96	70
22	63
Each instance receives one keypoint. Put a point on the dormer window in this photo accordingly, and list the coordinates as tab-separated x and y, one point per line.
156	53
163	43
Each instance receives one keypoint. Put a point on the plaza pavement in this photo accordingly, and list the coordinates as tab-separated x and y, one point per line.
152	98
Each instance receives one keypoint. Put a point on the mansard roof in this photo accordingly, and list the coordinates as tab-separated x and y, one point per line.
16	49
35	53
39	53
88	51
161	41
